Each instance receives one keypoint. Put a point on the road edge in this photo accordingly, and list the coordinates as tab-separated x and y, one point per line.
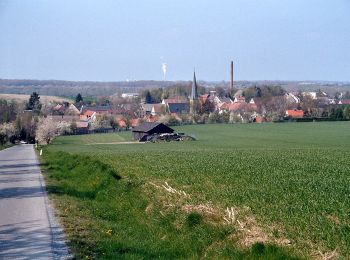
58	243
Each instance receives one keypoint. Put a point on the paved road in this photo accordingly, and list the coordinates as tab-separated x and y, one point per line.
27	227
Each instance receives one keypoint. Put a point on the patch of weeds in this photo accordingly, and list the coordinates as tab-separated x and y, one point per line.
258	249
194	219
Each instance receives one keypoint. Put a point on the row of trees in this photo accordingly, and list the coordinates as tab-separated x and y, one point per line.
224	117
156	95
18	121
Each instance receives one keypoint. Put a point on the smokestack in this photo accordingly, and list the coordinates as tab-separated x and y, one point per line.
231	76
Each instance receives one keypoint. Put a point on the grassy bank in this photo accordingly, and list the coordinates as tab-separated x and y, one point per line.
287	184
4	146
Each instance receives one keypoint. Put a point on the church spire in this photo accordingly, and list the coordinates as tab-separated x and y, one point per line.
194	93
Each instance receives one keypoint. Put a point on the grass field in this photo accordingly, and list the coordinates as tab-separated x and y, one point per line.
287	185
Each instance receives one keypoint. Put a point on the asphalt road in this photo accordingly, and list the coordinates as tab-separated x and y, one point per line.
27	227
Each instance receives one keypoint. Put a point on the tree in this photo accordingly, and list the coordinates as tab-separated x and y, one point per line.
8	111
206	108
346	112
46	131
78	98
64	128
346	95
73	126
8	132
148	97
113	122
34	103
258	92
101	122
337	113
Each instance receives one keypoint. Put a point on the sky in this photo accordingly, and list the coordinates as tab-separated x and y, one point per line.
117	40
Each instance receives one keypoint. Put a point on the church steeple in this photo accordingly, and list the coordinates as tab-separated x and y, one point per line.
194	93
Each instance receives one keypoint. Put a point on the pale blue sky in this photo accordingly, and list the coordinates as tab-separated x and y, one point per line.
129	39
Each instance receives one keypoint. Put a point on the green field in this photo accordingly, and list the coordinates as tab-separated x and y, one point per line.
287	184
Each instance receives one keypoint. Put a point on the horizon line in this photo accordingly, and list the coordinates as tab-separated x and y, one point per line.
182	80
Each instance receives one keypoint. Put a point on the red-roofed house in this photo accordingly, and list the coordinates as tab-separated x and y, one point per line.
344	102
173	100
239	99
157	109
89	115
294	113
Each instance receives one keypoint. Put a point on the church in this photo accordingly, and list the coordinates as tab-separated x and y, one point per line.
194	95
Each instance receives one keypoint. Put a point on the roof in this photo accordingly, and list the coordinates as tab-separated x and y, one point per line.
345	102
234	106
239	99
157	108
89	113
175	100
178	107
63	118
220	100
72	110
97	108
147	107
292	98
148	126
81	124
58	107
295	113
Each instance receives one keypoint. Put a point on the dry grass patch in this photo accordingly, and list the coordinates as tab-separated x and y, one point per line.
43	99
247	230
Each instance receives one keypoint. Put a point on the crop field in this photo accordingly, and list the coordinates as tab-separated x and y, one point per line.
44	99
241	191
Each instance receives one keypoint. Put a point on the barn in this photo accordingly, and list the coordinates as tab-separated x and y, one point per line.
141	132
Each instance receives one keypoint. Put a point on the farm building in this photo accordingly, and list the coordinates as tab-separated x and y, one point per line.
141	132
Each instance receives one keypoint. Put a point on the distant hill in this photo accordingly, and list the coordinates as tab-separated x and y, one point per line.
93	89
72	88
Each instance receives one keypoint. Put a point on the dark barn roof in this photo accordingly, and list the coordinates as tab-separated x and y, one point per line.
147	127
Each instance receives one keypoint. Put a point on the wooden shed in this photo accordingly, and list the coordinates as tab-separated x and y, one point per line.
141	132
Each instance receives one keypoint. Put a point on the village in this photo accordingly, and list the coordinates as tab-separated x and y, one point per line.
174	130
178	105
254	105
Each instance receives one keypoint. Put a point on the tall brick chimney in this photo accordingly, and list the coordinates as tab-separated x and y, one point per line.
231	76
